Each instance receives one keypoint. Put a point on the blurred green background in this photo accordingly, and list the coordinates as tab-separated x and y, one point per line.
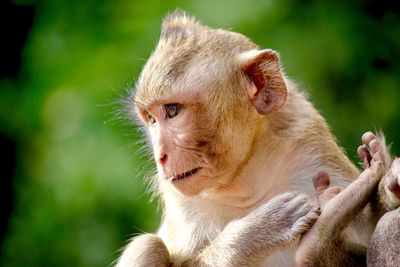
72	189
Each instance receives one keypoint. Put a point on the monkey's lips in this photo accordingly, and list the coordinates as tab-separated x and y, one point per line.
184	175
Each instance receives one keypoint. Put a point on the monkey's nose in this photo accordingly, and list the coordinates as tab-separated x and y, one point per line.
163	159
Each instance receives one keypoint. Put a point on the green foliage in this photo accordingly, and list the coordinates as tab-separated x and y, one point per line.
79	184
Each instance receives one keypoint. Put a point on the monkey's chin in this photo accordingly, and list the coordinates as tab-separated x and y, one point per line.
187	183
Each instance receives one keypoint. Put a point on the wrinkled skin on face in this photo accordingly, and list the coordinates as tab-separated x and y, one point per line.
189	151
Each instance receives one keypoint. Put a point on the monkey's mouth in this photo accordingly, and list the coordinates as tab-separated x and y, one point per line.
185	174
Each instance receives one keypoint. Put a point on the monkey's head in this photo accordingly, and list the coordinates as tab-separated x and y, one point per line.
203	96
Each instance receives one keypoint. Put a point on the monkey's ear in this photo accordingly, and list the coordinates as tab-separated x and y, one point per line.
267	91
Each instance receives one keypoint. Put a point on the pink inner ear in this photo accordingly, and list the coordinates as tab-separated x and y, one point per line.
256	76
265	74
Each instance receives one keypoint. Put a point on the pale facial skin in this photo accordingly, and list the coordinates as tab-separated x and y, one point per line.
177	158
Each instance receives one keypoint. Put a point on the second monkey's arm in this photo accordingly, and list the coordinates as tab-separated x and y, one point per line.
325	244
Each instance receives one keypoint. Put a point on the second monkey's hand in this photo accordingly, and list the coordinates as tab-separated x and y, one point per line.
323	245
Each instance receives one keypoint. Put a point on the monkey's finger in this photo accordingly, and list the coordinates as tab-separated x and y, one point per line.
375	146
305	222
298	207
378	154
303	209
283	198
321	182
287	201
368	137
364	155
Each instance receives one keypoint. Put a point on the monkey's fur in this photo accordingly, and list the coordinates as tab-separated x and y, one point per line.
230	135
384	246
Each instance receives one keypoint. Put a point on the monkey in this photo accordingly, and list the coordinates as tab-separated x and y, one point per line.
236	144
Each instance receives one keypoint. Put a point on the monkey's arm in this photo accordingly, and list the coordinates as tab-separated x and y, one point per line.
146	250
248	241
325	244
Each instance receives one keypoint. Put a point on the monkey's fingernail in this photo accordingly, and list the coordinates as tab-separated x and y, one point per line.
367	137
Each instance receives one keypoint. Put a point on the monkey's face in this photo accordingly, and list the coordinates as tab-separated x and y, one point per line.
203	103
191	145
203	132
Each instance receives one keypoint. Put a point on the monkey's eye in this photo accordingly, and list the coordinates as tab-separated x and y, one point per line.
149	119
172	109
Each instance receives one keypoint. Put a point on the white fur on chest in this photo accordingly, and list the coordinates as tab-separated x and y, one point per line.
195	226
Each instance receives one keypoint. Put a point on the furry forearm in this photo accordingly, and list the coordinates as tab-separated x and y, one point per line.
250	240
339	253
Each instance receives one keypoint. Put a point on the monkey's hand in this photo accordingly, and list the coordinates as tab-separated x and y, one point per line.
146	250
324	244
281	221
248	241
389	186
